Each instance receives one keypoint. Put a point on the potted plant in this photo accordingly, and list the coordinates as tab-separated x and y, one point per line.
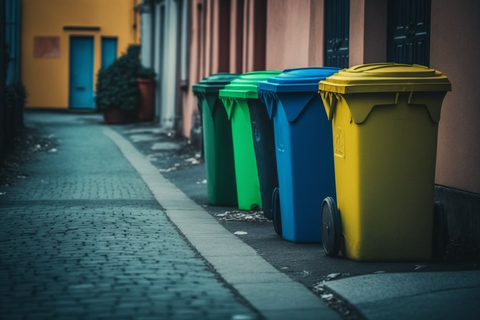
146	86
117	92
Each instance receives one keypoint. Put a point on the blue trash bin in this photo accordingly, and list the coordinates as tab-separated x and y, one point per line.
304	150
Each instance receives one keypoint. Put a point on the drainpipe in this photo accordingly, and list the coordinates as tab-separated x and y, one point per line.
145	33
2	76
182	63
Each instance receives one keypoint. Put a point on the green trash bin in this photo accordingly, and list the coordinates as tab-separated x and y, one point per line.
235	97
217	136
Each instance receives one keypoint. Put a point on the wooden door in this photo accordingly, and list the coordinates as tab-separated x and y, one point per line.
81	73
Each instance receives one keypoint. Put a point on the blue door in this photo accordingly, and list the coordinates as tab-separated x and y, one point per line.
81	73
109	51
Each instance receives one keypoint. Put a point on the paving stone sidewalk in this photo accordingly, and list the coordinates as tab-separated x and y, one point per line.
82	237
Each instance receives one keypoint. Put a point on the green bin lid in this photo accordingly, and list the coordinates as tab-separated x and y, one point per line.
386	77
215	82
245	86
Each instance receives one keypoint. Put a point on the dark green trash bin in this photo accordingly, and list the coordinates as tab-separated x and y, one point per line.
217	135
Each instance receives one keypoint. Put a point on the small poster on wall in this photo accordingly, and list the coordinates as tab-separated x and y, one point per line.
46	47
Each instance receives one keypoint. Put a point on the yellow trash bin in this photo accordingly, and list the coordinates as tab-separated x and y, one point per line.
384	119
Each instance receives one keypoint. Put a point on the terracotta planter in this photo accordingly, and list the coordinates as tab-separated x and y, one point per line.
115	115
147	99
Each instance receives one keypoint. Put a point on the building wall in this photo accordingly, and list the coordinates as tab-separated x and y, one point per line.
47	79
294	34
225	36
209	50
294	38
455	49
368	31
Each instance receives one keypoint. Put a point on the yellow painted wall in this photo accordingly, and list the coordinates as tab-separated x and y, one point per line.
47	79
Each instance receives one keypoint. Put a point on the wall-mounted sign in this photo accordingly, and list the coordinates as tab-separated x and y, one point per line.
46	47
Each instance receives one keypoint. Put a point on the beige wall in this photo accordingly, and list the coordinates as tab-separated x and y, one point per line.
455	50
294	34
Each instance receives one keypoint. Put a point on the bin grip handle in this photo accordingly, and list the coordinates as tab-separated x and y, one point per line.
270	101
330	100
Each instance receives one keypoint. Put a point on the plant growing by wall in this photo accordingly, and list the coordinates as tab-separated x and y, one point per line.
21	94
146	73
117	85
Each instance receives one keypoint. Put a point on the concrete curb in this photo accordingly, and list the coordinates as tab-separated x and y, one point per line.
423	295
271	292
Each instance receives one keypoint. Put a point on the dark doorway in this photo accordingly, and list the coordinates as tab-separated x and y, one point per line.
409	31
337	33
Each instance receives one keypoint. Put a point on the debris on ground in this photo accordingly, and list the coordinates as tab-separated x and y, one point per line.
28	141
333	276
419	267
238	215
193	161
335	302
460	249
240	233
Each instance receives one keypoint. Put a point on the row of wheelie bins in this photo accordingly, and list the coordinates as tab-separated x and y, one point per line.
343	157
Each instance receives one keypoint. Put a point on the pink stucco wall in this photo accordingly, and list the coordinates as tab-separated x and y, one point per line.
294	38
368	31
455	50
225	36
294	34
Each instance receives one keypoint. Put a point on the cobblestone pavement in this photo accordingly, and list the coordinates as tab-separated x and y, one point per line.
82	237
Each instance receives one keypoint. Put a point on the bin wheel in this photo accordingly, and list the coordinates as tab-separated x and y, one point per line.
331	228
440	232
276	212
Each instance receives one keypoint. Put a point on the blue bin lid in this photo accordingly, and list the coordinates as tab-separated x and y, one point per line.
297	79
294	88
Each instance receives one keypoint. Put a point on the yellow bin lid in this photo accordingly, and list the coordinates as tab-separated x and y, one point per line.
386	77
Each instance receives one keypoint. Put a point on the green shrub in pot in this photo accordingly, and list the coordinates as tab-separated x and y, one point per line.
117	85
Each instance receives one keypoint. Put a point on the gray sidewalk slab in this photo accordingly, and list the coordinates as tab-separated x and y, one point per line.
427	295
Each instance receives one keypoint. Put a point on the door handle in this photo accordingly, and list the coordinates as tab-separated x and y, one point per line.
336	43
409	30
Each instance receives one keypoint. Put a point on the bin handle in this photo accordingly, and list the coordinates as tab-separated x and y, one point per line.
228	102
330	100
199	97
269	100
